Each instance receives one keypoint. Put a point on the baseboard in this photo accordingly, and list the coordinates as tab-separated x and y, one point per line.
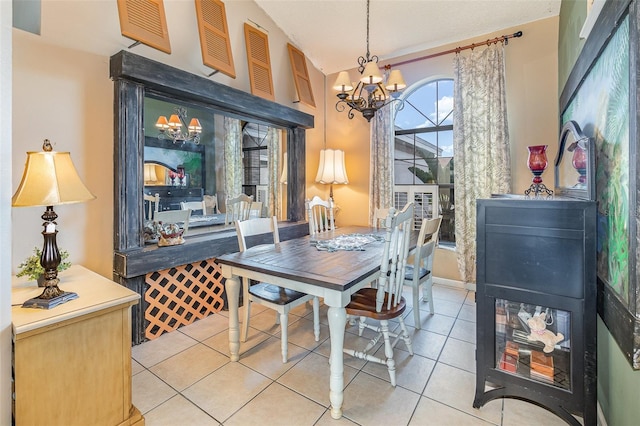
455	283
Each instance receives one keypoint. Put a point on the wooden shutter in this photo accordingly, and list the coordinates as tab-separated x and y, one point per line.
214	36
146	22
259	62
301	75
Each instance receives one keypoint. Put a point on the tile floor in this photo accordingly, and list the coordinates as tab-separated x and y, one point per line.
185	377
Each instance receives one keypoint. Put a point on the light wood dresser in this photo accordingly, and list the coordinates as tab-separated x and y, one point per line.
72	363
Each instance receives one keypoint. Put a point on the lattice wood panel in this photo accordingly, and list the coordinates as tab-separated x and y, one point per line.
179	296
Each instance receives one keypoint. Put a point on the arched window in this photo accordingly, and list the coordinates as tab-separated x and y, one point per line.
423	157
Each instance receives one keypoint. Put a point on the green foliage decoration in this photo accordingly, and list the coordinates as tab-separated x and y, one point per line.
31	267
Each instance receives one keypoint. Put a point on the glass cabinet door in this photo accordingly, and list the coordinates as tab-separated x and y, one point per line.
534	342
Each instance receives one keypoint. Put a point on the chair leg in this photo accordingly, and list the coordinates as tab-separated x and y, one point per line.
247	309
416	306
388	351
316	318
362	324
284	324
405	336
427	294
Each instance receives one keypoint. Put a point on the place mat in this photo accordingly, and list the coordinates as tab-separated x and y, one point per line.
349	242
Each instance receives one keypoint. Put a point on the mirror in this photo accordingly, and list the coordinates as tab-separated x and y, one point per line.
575	164
185	168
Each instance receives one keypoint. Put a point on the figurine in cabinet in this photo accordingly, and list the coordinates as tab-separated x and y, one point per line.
540	333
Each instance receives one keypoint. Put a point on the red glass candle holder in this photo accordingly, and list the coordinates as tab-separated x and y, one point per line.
537	163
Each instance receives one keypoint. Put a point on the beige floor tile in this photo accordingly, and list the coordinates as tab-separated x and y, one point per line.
437	323
464	330
184	369
460	354
451	294
456	388
304	309
266	321
468	313
471	298
518	413
278	405
430	412
301	333
154	351
327	420
178	411
425	343
369	400
148	391
136	367
226	390
412	372
350	341
206	327
446	307
266	358
220	342
310	377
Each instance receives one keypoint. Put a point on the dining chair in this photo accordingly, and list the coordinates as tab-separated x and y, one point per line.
320	215
194	206
255	209
152	204
280	299
237	208
379	216
211	204
432	229
175	216
385	302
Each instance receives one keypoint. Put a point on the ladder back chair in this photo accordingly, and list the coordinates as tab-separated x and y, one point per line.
418	272
280	299
175	216
385	302
152	204
379	216
211	204
194	206
237	208
320	215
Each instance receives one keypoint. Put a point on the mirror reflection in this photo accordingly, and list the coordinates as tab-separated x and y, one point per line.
198	159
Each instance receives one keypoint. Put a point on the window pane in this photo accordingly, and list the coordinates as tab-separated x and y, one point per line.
445	102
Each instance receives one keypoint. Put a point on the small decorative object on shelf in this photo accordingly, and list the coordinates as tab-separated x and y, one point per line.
537	163
579	160
32	268
170	235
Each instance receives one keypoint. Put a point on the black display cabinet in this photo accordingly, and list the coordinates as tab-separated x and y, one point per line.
536	304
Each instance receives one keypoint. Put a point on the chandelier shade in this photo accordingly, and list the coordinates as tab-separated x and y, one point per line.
172	128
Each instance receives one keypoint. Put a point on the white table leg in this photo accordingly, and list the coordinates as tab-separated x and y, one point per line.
337	321
232	287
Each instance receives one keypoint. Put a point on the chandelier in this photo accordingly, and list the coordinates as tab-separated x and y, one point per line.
370	93
172	128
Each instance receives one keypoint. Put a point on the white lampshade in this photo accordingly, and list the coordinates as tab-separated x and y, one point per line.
371	74
49	179
283	176
395	81
343	82
150	173
331	168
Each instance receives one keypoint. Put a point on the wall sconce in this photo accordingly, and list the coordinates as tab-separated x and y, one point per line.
173	127
331	168
50	179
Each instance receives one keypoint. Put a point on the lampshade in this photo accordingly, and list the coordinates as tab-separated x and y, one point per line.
162	123
283	176
174	121
343	82
331	169
150	173
49	179
395	81
371	73
194	126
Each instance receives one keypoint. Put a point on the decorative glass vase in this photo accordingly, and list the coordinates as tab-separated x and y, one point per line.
537	163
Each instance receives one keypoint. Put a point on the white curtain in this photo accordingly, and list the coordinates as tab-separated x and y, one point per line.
232	157
381	176
273	149
481	144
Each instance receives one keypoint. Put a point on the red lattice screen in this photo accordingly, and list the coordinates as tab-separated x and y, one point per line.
179	296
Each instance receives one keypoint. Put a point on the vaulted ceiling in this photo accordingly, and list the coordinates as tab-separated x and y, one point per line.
332	33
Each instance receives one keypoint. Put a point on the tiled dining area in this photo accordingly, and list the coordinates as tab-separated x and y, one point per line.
185	377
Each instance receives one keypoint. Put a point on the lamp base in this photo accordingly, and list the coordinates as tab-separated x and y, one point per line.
39	303
538	188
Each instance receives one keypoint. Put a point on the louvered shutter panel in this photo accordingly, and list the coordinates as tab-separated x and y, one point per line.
146	22
301	75
214	36
259	62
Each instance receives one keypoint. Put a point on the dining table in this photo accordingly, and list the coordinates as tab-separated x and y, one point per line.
312	265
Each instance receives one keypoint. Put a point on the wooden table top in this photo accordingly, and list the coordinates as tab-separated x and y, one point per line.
300	260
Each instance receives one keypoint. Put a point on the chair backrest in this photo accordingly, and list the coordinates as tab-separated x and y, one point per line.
175	216
430	230
379	216
152	204
399	227
194	206
255	209
320	215
237	208
257	226
211	204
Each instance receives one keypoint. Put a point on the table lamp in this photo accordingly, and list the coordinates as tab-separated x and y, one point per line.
50	179
331	168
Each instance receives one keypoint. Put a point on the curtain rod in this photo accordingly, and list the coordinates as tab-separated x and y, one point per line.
504	39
